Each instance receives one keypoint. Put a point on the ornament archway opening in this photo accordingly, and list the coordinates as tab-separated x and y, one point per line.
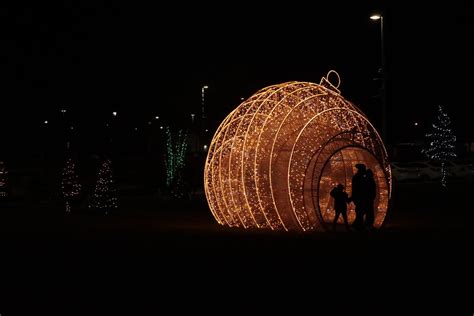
339	168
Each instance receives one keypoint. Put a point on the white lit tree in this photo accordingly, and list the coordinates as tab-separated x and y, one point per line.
441	142
3	180
70	186
105	193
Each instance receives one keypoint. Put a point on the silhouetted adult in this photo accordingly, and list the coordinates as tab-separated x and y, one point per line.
371	192
340	204
359	195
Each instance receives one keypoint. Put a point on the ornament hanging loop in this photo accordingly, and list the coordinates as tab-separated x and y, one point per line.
331	81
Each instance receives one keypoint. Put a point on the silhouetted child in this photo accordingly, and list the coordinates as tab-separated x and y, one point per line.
340	204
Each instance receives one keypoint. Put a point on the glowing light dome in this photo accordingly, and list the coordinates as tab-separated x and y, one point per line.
274	159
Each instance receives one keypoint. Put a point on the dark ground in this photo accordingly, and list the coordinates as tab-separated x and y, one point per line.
173	255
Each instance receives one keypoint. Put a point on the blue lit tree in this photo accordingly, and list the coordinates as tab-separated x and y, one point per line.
441	142
105	193
175	155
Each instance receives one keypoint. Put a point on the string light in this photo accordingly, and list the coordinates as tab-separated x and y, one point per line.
70	186
175	160
3	179
105	194
441	143
272	161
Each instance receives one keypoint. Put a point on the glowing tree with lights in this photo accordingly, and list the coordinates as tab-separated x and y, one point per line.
105	193
441	143
70	186
174	161
275	158
3	180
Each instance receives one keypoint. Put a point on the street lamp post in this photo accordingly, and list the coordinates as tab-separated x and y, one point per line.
202	133
383	91
203	115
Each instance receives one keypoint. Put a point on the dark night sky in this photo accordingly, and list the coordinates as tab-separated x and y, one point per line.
95	56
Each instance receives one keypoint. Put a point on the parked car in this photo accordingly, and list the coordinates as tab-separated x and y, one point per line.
452	169
464	169
403	171
414	171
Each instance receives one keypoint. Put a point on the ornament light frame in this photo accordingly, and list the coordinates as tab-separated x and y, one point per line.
273	160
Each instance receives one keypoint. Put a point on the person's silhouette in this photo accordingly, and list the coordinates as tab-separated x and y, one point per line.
340	204
359	195
371	191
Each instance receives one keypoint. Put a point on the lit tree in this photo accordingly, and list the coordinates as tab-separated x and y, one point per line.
174	161
70	186
441	142
105	194
3	179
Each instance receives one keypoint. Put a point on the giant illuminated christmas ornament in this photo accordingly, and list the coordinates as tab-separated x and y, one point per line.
274	159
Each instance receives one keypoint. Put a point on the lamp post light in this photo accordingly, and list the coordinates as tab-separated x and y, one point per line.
203	127
383	90
203	89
